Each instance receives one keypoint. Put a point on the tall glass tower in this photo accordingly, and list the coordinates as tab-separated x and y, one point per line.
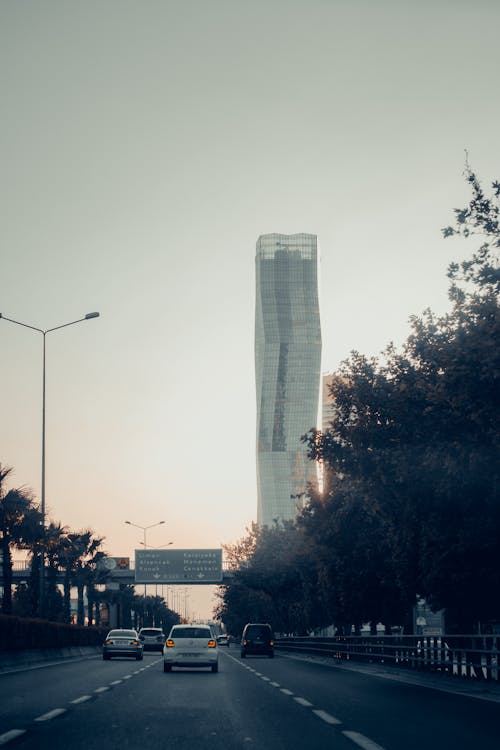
287	369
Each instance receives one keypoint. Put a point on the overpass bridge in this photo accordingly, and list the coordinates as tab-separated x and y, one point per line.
129	575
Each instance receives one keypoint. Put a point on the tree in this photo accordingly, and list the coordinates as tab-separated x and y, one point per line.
16	505
54	542
416	435
241	601
273	581
355	574
81	559
33	540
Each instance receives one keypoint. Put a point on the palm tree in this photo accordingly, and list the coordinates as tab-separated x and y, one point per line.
69	557
32	539
54	546
95	576
81	560
16	505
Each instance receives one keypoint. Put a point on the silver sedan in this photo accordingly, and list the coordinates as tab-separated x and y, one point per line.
121	642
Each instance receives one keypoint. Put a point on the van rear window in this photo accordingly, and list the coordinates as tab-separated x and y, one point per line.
258	631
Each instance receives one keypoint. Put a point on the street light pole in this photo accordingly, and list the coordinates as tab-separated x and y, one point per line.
144	530
44	333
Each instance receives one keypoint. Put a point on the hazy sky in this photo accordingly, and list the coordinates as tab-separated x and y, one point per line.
145	144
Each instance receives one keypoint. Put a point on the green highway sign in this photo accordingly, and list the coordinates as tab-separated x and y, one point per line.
178	566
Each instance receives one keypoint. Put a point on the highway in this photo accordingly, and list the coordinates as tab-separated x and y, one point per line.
267	704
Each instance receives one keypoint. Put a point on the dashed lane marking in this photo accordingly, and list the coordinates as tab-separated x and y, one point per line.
326	716
303	702
11	735
364	742
14	733
51	714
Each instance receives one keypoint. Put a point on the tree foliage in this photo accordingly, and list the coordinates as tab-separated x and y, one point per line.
17	508
411	506
417	434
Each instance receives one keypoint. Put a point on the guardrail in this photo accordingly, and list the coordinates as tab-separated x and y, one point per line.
470	656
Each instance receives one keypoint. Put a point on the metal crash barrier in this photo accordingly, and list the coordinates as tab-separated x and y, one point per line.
469	656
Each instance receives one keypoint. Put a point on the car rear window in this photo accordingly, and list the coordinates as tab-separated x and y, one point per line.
151	632
191	633
258	631
122	634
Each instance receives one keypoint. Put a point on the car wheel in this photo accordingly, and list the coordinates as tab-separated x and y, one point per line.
215	667
167	667
243	655
271	655
106	657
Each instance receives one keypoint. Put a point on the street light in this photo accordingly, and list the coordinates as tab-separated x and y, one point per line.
144	528
44	333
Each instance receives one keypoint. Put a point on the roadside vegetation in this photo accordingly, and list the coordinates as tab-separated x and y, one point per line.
410	505
77	556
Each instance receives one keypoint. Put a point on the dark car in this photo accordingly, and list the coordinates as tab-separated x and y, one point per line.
257	638
153	639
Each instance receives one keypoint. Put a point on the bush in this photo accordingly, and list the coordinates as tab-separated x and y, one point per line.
19	633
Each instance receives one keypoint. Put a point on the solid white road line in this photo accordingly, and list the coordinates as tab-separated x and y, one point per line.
8	736
51	714
82	699
362	741
326	716
303	702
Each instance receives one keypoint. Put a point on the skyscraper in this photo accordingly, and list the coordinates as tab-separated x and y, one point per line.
287	369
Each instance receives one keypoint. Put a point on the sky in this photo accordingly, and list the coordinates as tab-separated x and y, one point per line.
145	145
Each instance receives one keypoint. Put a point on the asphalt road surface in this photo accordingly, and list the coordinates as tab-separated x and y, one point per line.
255	703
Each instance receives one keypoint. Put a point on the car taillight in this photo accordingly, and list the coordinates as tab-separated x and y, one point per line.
244	643
108	643
212	644
170	643
271	643
135	643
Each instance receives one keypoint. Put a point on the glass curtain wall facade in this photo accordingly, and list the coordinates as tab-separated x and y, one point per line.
287	370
